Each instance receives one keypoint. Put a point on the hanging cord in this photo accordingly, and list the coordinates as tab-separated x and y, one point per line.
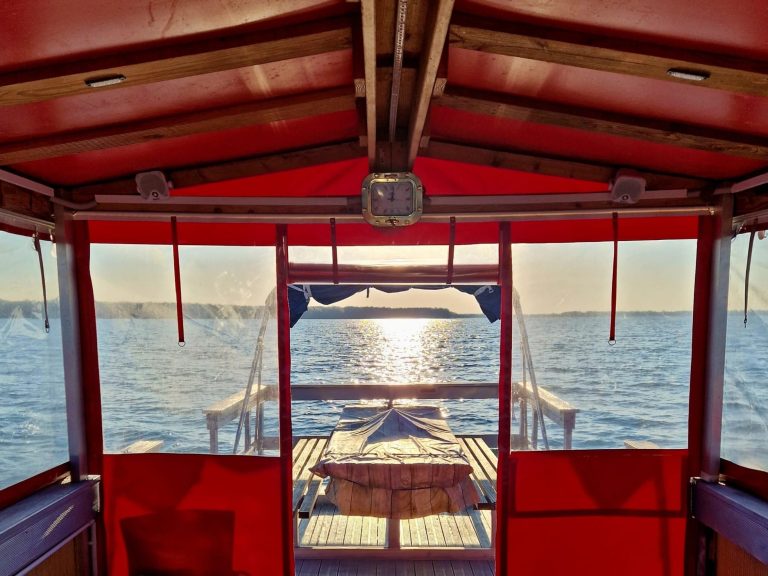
36	242
746	275
177	278
612	335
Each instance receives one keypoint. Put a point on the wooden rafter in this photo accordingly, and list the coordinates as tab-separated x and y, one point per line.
189	59
430	61
657	131
629	57
368	10
19	201
245	168
552	166
263	112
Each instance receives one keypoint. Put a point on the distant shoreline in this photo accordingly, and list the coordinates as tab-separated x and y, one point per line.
167	310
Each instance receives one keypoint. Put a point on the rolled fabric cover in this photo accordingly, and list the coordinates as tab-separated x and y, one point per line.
396	463
356	500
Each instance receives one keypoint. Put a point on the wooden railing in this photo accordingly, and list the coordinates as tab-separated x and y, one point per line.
552	407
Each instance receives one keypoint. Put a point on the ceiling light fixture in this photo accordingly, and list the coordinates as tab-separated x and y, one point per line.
102	81
688	74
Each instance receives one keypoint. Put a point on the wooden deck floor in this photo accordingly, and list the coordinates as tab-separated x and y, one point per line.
393	568
326	527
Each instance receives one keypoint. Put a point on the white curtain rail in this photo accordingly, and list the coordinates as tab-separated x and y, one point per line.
490	216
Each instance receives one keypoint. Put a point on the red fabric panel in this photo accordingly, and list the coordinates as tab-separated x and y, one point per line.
284	389
670	228
448	178
597	512
505	385
192	514
89	349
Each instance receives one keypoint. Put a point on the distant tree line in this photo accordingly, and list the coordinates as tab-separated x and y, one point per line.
162	310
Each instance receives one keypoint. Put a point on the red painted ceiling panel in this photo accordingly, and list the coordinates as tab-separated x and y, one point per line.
207	91
709	26
611	92
444	178
43	30
191	150
581	145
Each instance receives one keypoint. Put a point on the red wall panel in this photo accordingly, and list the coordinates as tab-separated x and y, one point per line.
197	515
597	512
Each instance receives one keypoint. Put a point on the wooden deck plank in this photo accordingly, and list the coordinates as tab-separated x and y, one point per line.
442	568
477	448
450	529
469	536
349	567
338	528
423	568
482	569
486	484
378	567
405	534
353	531
461	568
481	523
329	568
314	483
301	484
299	468
310	568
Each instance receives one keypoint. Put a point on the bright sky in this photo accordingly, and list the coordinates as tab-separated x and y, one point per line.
549	277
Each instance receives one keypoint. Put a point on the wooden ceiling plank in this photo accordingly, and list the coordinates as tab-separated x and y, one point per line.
368	11
233	170
181	61
263	112
622	56
649	130
430	61
471	154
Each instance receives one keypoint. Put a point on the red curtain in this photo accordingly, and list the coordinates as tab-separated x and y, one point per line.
198	515
601	512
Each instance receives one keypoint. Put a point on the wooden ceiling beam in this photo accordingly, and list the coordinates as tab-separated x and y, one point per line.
431	55
262	112
455	152
244	168
25	203
621	56
166	63
515	107
368	11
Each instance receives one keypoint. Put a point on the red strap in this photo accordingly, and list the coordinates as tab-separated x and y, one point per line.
334	252
177	277
451	245
612	335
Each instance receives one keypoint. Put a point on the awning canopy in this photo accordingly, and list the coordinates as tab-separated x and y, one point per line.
300	295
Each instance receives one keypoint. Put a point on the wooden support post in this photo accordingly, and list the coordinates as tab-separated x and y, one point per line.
393	533
569	424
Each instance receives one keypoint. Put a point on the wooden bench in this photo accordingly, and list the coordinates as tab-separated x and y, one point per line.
484	463
306	485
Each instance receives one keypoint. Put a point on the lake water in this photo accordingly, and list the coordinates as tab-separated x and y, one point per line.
154	389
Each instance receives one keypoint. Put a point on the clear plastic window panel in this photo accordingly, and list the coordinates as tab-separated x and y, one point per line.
571	388
160	396
745	394
33	413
